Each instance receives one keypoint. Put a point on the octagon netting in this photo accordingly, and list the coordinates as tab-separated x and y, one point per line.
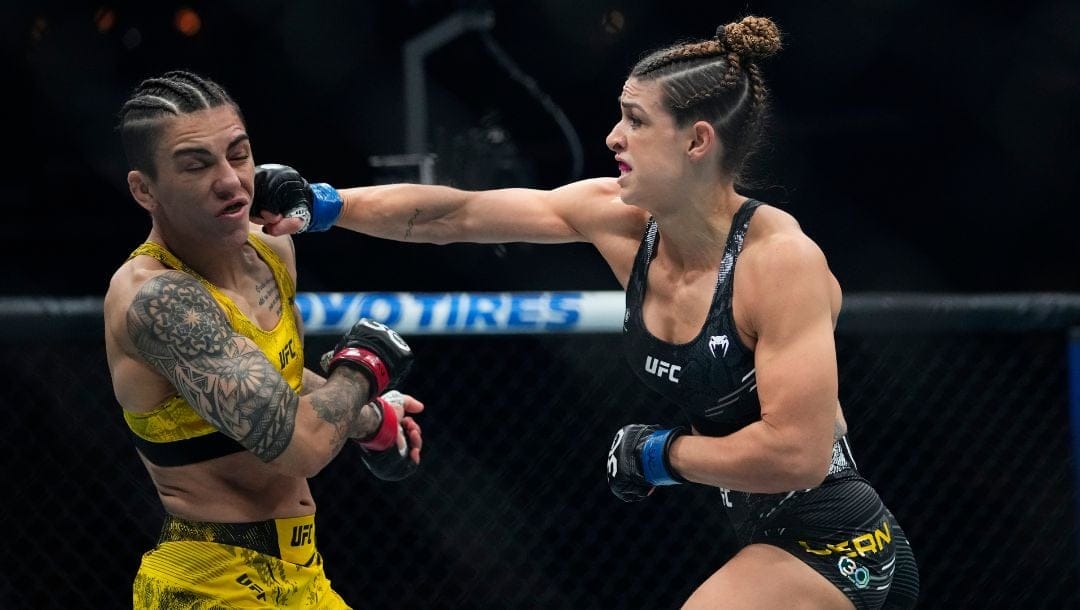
965	433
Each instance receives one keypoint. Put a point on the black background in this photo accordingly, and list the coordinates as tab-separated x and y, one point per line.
925	147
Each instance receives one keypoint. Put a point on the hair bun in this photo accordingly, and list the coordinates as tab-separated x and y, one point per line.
752	38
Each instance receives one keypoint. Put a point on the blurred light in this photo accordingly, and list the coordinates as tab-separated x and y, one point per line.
104	19
187	22
613	21
38	29
132	38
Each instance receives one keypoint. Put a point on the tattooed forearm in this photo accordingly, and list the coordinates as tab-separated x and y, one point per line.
312	381
179	329
340	403
412	223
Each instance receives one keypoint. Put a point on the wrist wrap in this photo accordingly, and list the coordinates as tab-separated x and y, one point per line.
655	466
368	362
325	206
386	435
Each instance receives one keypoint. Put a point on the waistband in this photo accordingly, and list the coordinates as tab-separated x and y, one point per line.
291	539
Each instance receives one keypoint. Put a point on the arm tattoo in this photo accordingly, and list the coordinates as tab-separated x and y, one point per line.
412	222
312	381
178	328
340	405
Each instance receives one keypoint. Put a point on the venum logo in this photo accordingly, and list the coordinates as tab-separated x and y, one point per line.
718	341
661	369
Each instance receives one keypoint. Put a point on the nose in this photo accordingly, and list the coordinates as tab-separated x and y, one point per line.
227	182
614	139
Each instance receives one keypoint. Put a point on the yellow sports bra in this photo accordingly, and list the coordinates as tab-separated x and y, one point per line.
173	434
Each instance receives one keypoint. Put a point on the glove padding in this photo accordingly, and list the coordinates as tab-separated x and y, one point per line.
638	461
394	463
280	189
374	349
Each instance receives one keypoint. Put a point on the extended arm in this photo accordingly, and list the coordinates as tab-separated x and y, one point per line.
285	202
440	214
588	210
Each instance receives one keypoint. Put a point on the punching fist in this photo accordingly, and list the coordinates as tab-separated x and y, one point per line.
400	460
638	461
376	350
281	190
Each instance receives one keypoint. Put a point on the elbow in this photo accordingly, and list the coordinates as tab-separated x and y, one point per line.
444	230
301	460
300	468
807	470
808	478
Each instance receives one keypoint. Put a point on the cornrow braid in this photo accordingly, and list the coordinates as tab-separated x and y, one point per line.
157	99
718	80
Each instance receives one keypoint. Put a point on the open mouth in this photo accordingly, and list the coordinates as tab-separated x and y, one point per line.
232	209
624	168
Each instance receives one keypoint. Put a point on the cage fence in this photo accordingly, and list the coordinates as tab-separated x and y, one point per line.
958	413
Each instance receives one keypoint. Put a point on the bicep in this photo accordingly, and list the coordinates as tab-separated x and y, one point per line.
178	329
797	377
795	353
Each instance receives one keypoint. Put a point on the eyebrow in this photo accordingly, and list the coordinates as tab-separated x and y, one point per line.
634	105
199	150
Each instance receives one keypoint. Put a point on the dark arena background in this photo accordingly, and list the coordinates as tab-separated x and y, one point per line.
930	149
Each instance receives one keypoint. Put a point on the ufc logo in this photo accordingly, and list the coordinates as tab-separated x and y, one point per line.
246	581
286	354
301	535
727	500
662	369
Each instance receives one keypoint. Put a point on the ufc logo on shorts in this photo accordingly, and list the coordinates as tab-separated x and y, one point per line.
245	580
301	534
662	369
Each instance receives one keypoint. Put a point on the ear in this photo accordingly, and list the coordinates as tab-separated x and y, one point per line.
703	140
139	186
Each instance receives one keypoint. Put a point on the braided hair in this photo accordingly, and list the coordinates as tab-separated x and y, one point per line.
718	80
155	100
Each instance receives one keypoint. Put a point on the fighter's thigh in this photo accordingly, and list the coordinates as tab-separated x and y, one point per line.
761	577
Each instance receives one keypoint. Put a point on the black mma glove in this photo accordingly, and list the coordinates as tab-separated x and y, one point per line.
392	463
376	350
280	189
638	461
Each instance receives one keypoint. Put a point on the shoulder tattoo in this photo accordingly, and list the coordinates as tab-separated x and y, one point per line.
178	328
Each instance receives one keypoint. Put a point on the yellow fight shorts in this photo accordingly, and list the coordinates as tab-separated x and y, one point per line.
267	564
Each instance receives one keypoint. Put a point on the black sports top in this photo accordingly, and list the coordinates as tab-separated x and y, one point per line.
712	377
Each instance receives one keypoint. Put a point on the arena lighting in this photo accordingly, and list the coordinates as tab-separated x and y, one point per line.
37	31
613	21
104	19
187	22
132	38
